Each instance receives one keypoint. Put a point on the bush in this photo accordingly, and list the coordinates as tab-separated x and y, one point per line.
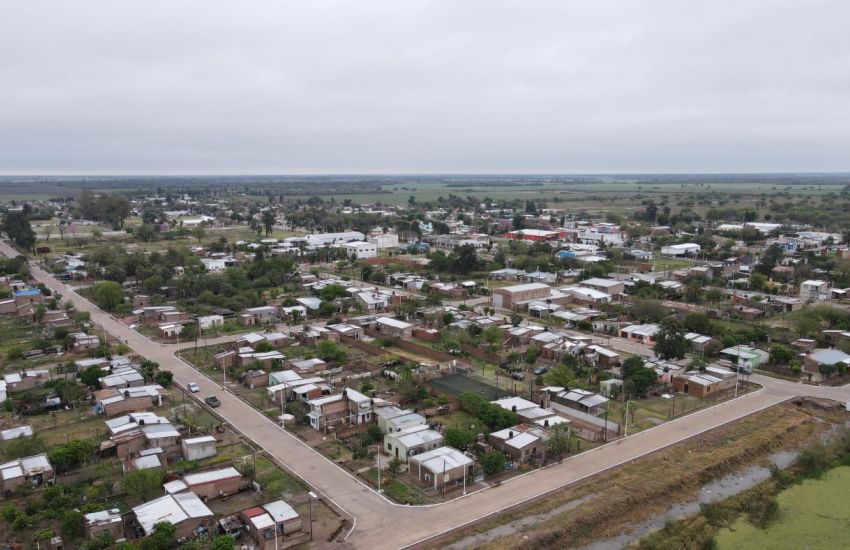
813	460
493	462
458	437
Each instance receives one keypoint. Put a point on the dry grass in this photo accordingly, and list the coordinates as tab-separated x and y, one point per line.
643	488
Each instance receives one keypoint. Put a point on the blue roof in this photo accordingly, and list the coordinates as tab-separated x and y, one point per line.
28	292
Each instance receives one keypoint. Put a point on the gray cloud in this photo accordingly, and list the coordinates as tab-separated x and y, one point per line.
423	86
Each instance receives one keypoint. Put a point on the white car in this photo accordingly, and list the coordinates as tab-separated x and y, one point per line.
194	388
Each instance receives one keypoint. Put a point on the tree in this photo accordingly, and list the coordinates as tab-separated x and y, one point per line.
559	441
92	375
698	322
148	369
670	341
268	221
493	462
493	336
108	295
71	455
164	378
162	537
649	310
17	226
640	376
328	350
224	542
780	355
73	526
458	437
143	483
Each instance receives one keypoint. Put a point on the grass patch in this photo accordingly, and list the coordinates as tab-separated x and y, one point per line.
813	514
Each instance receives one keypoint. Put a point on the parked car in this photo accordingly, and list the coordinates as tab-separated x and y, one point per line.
212	401
192	387
540	370
517	375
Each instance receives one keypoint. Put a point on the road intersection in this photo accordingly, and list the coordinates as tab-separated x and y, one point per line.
379	523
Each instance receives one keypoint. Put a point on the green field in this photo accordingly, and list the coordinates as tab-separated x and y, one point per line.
813	514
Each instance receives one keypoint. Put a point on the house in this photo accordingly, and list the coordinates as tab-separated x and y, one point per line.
608	286
684	249
825	363
136	431
745	356
185	511
527	411
266	523
198	448
604	357
27	296
581	400
411	441
393	327
263	315
344	329
533	235
350	406
109	521
507	297
642	333
394	419
589	296
35	470
523	443
814	290
210	484
696	384
698	341
122	378
25	379
441	467
372	301
114	401
206	322
304	366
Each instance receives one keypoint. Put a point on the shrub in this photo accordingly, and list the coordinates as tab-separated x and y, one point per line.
493	462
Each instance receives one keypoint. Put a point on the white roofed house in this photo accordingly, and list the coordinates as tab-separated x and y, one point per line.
35	470
104	520
642	333
443	466
814	290
522	443
393	327
372	301
361	250
185	511
411	441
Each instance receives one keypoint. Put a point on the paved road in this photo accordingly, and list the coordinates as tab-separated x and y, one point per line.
382	524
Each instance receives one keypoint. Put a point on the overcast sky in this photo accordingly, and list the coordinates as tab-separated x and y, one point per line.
360	86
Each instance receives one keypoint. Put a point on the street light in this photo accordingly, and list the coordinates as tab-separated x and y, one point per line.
313	496
626	420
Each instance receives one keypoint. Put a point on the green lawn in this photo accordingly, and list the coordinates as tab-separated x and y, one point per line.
813	514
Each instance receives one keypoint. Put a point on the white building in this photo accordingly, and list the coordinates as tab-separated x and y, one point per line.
324	239
207	322
814	290
198	448
684	249
361	250
384	240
